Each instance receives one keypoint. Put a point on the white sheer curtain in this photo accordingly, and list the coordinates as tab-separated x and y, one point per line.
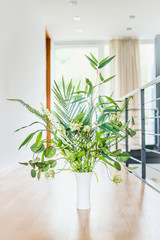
126	65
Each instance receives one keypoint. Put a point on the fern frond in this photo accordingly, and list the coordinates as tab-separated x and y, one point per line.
31	109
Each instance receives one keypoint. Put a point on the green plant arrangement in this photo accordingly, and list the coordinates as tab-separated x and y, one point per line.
84	127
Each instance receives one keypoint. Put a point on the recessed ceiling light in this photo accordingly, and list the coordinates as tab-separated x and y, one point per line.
73	3
132	16
128	28
76	18
79	30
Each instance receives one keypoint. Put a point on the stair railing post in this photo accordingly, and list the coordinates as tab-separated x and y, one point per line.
143	151
126	120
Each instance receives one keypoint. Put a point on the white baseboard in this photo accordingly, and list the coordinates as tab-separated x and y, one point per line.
11	168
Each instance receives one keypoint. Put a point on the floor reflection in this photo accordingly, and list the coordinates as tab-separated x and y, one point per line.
84	219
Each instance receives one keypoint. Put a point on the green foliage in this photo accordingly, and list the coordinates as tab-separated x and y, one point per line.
123	157
117	165
27	140
31	109
39	137
84	128
49	152
94	59
23	163
33	173
37	148
105	62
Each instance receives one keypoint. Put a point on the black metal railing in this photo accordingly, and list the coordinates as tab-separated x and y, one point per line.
145	151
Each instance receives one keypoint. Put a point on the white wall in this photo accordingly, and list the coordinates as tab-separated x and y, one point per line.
22	75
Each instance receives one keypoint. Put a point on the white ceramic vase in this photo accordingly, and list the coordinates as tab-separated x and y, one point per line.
83	190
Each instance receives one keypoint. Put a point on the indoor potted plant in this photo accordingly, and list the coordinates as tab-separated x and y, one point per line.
84	127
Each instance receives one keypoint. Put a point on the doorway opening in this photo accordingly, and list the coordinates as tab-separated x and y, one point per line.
48	78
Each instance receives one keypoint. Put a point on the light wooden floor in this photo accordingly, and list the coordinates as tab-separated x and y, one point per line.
32	210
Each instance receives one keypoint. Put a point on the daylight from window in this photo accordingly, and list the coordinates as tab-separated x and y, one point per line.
72	64
147	62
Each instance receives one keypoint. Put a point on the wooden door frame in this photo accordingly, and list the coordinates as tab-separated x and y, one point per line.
48	77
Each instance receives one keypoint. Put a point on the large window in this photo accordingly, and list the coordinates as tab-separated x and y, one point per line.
147	61
72	63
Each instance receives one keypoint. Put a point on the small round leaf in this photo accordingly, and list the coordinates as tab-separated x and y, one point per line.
49	152
117	165
33	173
53	164
45	168
37	148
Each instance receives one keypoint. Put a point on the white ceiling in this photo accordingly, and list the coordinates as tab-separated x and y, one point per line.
100	19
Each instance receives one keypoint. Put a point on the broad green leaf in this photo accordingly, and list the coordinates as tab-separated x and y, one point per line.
53	164
93	66
94	59
109	129
27	140
40	164
77	96
101	77
45	168
42	159
88	117
101	101
84	101
103	60
105	154
99	138
116	152
101	118
23	163
90	91
123	157
117	165
112	101
115	126
125	125
80	117
39	137
88	82
131	132
37	148
49	152
80	92
108	79
91	61
101	65
82	153
109	110
98	107
105	81
104	160
133	122
79	99
33	173
39	175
